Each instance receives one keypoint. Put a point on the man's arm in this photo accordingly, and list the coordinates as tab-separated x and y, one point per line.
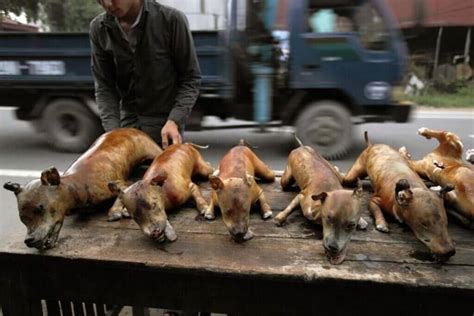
106	95
187	66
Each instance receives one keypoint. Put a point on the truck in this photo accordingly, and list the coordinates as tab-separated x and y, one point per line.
319	66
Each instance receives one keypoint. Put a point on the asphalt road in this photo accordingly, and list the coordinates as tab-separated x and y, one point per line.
24	153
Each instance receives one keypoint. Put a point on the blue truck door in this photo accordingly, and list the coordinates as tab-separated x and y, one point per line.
349	48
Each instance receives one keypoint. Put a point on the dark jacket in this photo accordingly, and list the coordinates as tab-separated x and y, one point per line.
159	81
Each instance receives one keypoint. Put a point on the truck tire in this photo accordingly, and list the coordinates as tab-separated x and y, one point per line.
70	126
327	127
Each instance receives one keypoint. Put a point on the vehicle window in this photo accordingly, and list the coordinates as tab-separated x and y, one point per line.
372	31
329	20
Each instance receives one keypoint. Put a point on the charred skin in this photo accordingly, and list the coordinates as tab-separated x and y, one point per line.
445	166
322	200
167	184
234	190
400	192
43	203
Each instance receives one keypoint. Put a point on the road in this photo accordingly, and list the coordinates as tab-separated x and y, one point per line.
24	153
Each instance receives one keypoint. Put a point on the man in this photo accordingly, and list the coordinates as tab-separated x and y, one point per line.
145	68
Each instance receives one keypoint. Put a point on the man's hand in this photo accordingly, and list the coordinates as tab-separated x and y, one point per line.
170	130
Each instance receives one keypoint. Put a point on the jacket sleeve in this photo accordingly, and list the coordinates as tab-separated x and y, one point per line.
103	69
187	66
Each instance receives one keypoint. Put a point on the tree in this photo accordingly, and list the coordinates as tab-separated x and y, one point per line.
59	15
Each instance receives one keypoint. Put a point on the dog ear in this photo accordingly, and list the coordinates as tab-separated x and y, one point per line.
114	187
320	197
14	187
160	178
403	194
50	176
359	190
216	183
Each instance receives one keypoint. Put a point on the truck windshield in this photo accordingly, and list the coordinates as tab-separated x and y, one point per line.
363	19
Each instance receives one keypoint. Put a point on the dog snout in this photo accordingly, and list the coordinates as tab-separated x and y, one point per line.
332	247
156	233
239	236
445	257
31	242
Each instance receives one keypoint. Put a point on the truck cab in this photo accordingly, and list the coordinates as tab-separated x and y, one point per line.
345	57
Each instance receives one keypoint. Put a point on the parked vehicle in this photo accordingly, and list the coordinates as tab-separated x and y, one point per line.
327	65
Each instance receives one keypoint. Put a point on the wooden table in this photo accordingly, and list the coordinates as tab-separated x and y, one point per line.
280	271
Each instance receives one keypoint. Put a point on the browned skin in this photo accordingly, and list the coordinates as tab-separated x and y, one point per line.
235	190
400	192
444	166
322	200
43	203
166	185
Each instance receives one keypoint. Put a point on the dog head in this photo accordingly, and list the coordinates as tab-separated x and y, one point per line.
340	212
423	210
42	205
234	197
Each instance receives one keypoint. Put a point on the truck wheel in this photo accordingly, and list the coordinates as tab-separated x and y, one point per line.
70	126
327	127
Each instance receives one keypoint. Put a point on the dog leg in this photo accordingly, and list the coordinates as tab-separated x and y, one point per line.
117	211
287	179
450	144
265	209
262	171
210	210
197	196
416	165
283	215
356	172
376	211
202	167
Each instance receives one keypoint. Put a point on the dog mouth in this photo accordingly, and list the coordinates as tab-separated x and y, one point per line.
336	257
441	258
242	237
158	234
49	241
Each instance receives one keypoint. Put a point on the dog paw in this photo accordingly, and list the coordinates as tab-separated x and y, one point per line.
423	132
113	217
125	213
279	221
209	216
362	224
470	156
267	215
382	228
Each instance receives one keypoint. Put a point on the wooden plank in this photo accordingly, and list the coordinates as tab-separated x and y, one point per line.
297	226
277	257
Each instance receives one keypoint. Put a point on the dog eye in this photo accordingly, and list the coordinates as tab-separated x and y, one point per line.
38	210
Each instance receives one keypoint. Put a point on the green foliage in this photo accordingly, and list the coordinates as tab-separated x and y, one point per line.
59	15
30	7
463	98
